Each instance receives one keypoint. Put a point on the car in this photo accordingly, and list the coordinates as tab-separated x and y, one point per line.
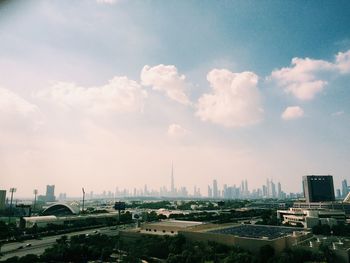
28	245
96	231
20	247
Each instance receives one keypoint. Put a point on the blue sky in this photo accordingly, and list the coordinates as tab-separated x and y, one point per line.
220	96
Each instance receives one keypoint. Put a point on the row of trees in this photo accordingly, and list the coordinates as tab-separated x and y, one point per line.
268	216
176	249
337	230
187	205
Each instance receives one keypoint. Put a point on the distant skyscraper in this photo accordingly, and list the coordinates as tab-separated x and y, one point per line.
246	191
318	188
338	193
268	188
172	186
345	188
273	189
215	189
210	192
264	191
50	193
2	199
279	190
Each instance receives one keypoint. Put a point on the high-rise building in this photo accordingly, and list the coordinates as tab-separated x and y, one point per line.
268	188
279	190
210	192
345	188
273	189
2	199
338	193
50	193
215	189
264	191
172	186
318	188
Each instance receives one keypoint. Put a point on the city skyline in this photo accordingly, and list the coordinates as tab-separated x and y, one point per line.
100	93
216	190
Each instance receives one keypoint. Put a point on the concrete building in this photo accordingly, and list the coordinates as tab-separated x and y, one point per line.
342	206
250	237
215	189
309	218
42	221
168	227
318	188
2	199
345	188
50	193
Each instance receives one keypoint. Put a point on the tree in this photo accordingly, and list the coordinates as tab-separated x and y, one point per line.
266	253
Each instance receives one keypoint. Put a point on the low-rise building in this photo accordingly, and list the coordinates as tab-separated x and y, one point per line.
168	227
250	237
309	218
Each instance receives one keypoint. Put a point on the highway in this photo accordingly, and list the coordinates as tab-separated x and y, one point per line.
38	246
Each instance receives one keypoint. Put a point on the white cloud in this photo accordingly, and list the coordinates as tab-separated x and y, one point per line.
338	113
16	113
10	103
110	2
306	77
165	78
343	61
235	100
301	78
119	95
292	112
176	130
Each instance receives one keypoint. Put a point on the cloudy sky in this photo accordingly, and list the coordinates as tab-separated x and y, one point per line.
107	93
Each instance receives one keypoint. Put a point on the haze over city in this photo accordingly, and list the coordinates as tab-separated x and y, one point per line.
109	93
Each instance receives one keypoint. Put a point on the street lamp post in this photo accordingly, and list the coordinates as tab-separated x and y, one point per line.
83	200
12	190
35	192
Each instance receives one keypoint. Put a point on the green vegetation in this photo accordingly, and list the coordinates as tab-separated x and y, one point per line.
12	232
178	249
188	205
231	216
337	230
268	217
78	249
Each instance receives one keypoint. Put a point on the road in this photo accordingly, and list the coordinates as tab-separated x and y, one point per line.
38	246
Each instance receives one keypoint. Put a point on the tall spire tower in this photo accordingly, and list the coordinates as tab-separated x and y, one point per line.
172	187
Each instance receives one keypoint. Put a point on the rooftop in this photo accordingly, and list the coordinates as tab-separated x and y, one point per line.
254	231
177	223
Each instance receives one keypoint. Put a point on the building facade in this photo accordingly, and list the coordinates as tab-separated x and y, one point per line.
318	188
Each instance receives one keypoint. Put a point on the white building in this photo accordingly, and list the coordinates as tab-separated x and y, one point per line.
311	217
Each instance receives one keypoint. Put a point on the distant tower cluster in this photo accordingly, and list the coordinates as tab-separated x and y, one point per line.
172	186
269	190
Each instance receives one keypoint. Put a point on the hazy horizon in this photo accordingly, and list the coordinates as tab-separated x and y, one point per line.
108	93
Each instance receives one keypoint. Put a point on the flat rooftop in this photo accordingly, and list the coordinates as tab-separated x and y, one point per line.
176	223
257	231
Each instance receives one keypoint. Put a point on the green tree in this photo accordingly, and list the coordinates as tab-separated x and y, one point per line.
266	253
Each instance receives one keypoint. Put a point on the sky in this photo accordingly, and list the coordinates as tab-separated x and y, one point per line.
108	93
